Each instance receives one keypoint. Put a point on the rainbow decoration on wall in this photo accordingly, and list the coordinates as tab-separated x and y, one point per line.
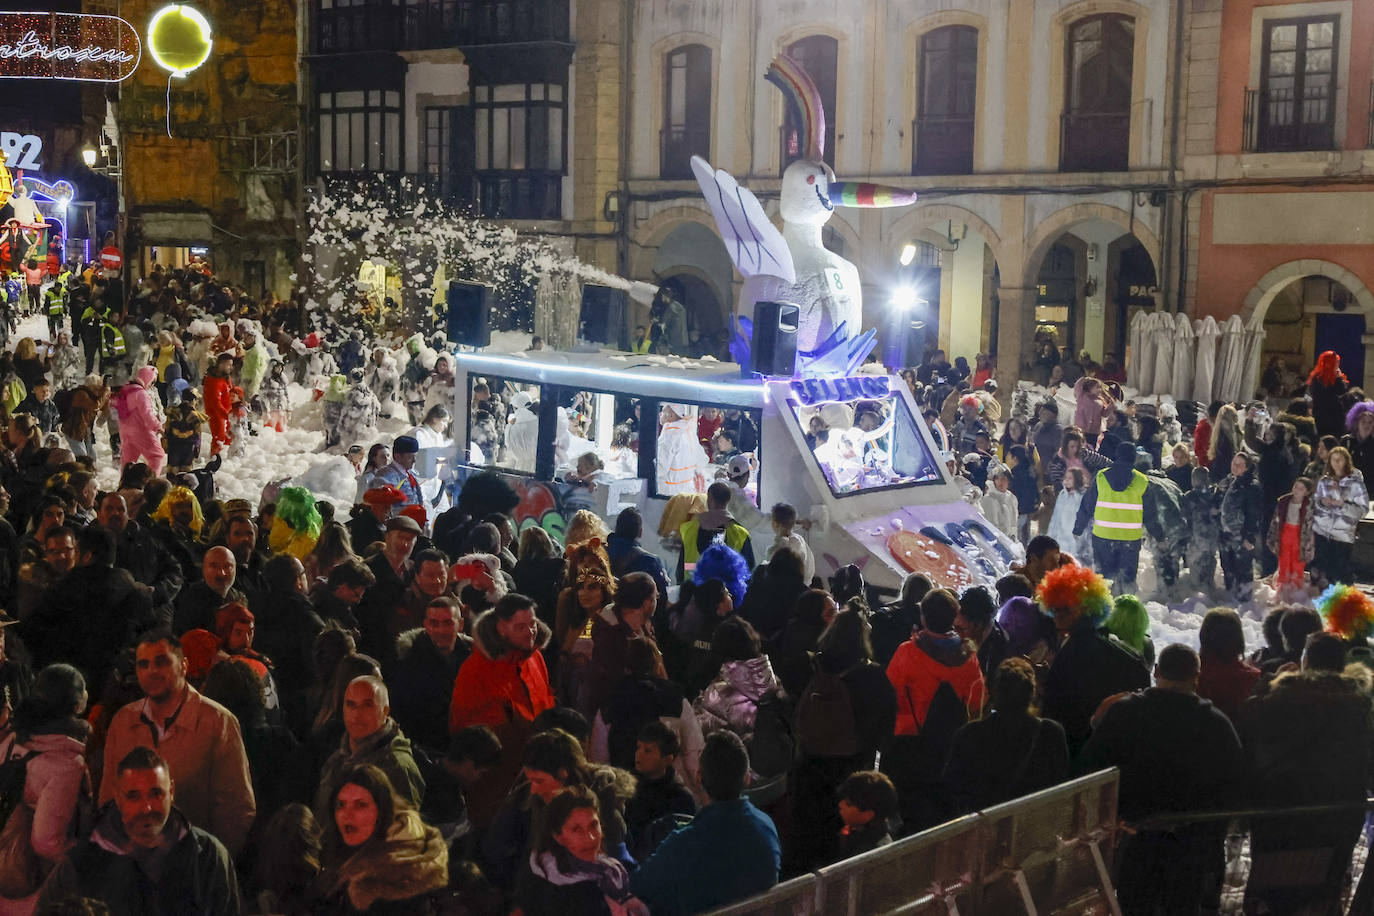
805	101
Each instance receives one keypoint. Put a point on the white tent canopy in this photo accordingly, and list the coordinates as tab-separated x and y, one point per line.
1135	339
1230	375
1164	354
1207	334
1185	357
1145	363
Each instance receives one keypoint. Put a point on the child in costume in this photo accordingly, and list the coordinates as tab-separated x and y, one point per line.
1202	505
238	415
1290	536
184	425
219	402
276	401
1066	511
335	394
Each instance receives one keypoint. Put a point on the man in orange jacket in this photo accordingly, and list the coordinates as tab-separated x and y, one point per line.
503	684
939	687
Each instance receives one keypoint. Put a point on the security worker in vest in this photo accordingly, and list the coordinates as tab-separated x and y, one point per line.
1115	505
55	302
699	531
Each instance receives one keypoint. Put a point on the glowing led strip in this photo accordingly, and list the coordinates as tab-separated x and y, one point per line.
25	55
685	389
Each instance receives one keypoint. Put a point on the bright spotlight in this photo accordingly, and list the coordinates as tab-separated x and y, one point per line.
908	254
904	298
88	157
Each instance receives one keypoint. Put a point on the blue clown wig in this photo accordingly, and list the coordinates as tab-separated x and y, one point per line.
721	562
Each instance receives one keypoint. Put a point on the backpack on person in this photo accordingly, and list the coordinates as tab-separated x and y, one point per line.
773	748
825	725
20	870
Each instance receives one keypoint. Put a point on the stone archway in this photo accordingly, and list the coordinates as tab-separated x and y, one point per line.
1256	305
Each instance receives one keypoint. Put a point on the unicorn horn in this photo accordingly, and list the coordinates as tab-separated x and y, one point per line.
864	194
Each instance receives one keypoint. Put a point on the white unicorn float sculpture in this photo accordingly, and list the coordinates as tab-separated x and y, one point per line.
793	265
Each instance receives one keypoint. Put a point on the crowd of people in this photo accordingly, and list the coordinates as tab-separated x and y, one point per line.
217	707
1229	486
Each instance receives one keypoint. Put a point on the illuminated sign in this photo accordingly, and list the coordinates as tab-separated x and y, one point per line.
67	46
179	38
812	391
21	150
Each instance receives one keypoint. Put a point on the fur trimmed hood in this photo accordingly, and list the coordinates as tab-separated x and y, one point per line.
410	862
489	642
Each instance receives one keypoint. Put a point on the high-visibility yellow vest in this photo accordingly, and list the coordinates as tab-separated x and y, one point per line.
111	341
735	536
1120	514
55	303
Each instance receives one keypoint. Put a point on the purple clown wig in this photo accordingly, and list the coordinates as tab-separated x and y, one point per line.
1353	416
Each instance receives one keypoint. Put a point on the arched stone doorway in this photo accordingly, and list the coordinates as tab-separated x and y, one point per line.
1092	280
693	262
1310	306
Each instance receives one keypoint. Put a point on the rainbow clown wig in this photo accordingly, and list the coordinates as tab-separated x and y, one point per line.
1348	612
1075	592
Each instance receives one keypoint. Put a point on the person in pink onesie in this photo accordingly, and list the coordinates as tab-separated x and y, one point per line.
140	430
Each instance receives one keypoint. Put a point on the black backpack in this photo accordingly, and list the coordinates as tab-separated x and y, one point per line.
825	724
14	772
773	749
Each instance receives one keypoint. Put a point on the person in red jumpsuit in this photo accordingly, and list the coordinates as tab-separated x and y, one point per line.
219	402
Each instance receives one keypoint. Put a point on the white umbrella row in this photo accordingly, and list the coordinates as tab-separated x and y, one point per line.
1204	360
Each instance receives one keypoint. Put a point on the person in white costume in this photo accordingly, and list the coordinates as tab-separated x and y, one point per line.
682	465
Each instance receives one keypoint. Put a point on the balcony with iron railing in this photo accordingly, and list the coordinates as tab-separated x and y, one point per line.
1094	141
372	26
677	145
942	145
1276	121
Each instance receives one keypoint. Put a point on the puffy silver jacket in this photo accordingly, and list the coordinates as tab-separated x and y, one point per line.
1338	522
731	701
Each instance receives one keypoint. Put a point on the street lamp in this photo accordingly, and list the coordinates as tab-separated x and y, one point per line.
88	157
908	254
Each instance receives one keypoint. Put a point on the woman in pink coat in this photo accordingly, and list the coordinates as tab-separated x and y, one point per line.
57	788
1092	403
140	430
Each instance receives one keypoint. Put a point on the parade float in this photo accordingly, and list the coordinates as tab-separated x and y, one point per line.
605	429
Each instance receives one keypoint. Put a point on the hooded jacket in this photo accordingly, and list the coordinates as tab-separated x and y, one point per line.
1310	722
921	665
1118	478
410	863
55	783
195	877
421	682
497	684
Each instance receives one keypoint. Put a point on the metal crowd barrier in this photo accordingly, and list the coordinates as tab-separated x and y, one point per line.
1046	852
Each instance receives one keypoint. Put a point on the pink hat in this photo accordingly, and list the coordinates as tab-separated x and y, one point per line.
146	376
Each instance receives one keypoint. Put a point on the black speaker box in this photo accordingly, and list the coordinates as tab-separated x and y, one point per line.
469	313
604	316
773	347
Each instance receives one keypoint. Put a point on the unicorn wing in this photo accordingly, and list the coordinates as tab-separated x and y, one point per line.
755	244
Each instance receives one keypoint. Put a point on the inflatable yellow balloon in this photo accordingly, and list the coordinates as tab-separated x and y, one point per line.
179	38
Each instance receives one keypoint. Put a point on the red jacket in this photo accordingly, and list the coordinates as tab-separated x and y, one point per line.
497	686
918	668
218	402
1226	683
